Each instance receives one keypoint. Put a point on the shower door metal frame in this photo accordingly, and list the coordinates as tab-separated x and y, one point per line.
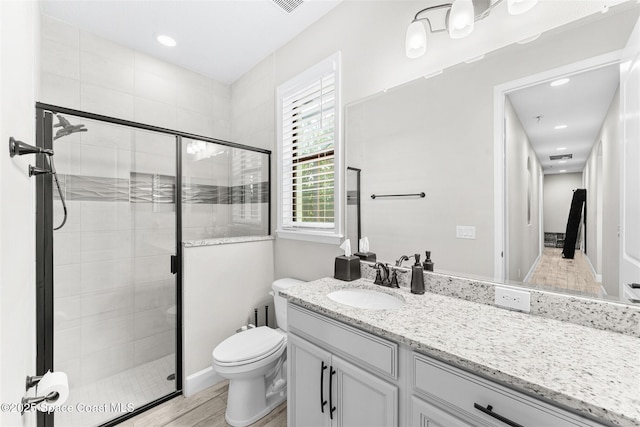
44	243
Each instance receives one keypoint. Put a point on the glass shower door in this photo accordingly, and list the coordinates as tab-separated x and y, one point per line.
114	293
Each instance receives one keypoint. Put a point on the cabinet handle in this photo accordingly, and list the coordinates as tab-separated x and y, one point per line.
489	411
322	401
331	407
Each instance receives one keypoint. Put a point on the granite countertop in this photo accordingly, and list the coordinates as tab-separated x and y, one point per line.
590	371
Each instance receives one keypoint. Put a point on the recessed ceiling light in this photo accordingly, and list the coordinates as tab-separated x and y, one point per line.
561	148
562	161
560	82
562	170
166	40
560	127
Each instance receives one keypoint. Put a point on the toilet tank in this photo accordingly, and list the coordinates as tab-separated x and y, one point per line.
280	302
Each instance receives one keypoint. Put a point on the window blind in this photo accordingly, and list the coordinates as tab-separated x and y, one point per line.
308	155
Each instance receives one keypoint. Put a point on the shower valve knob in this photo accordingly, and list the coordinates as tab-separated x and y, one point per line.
34	170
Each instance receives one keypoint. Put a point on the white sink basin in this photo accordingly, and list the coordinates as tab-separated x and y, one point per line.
365	298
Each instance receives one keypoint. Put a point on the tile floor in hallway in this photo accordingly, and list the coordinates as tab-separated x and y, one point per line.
575	275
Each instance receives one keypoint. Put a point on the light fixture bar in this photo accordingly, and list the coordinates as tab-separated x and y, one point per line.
458	19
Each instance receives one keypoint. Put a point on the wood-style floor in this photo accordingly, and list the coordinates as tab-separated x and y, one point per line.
573	275
204	409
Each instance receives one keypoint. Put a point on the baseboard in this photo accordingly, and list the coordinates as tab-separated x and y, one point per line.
596	277
532	269
201	380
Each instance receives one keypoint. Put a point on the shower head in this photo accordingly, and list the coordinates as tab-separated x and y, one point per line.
19	148
67	128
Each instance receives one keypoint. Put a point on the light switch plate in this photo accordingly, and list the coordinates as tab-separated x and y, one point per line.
465	232
513	299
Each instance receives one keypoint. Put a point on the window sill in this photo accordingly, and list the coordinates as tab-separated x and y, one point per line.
310	236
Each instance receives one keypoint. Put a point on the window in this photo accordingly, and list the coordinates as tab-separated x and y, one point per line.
309	168
248	187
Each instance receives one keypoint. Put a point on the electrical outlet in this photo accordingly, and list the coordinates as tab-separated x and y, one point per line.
515	300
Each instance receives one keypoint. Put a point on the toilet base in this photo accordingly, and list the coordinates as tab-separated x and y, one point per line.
272	403
253	401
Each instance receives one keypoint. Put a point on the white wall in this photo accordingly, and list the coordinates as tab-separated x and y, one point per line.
524	175
19	86
370	35
222	285
558	193
602	181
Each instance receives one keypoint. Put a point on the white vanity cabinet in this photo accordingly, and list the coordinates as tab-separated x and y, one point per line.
337	374
445	395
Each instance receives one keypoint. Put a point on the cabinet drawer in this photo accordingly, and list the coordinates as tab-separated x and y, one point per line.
459	391
370	351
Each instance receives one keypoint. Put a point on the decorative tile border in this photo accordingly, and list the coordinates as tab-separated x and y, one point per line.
156	188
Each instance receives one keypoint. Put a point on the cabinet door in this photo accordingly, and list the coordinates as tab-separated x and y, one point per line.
308	379
360	398
425	414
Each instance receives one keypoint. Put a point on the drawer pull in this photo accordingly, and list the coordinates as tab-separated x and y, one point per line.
489	411
322	401
331	407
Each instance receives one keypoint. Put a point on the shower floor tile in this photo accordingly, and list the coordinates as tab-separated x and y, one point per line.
97	403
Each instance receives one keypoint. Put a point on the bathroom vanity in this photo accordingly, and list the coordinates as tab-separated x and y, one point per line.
442	361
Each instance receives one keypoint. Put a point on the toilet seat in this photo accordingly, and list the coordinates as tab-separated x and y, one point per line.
249	346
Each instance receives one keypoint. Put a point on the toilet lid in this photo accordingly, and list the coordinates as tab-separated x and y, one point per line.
248	345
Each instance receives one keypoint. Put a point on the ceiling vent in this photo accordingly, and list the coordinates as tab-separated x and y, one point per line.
288	5
561	157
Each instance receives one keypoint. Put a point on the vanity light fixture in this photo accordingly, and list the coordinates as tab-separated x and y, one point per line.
457	18
461	19
165	40
558	127
560	82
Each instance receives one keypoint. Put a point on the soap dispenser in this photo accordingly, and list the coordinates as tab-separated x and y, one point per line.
427	264
417	277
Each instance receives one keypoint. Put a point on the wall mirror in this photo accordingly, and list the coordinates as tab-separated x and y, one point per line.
436	135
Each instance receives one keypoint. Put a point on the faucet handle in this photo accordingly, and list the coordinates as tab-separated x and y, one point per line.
378	280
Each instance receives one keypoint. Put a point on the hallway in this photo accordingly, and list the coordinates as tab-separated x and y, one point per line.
572	275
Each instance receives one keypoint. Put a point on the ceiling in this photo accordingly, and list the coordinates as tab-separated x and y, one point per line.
581	104
221	39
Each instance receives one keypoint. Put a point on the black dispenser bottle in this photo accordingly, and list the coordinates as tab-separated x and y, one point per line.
417	277
427	264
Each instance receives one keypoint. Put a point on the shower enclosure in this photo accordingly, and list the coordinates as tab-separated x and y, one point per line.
109	228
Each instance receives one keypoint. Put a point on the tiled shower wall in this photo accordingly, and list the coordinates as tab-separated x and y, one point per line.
112	280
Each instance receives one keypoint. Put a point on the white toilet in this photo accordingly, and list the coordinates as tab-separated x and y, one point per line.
254	361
